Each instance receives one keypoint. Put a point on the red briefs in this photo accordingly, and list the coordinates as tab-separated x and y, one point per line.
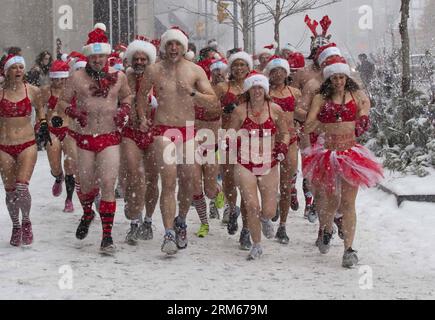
14	151
142	139
96	143
60	133
174	133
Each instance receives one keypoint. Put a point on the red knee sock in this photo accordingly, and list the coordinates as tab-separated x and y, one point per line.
86	200
107	214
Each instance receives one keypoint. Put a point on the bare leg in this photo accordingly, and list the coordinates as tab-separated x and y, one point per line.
135	183
151	178
288	170
347	208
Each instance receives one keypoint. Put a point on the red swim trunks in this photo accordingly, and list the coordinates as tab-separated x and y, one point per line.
96	143
174	133
60	133
15	150
142	139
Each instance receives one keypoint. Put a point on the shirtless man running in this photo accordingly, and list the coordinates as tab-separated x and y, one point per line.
98	90
179	85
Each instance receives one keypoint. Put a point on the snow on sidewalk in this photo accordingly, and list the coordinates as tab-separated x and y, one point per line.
395	246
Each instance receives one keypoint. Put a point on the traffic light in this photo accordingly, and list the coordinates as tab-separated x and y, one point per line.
222	14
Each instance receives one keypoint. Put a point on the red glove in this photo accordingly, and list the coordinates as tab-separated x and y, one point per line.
121	117
280	151
80	116
362	125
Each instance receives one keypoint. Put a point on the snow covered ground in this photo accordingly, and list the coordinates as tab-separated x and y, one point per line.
395	246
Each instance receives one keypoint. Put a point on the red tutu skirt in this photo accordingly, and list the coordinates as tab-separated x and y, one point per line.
326	168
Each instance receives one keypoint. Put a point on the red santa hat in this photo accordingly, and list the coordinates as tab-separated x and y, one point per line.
141	44
296	61
98	43
120	47
335	65
80	61
269	49
256	79
241	55
115	61
277	62
327	51
59	70
11	60
174	34
221	64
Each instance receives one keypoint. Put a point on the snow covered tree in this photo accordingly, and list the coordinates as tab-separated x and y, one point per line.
403	127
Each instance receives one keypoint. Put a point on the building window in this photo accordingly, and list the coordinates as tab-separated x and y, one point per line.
119	16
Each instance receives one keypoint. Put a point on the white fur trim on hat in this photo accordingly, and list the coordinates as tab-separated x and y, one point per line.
171	35
332	51
97	48
219	65
142	46
59	75
101	26
336	68
79	64
277	63
242	55
256	80
14	60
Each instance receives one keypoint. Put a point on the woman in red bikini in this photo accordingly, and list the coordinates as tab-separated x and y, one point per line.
18	150
61	141
240	64
336	165
278	70
263	142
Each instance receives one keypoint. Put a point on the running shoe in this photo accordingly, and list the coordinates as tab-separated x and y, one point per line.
83	228
169	245
214	212
267	228
107	246
16	237
180	234
27	233
281	235
324	244
232	225
69	207
350	259
255	253
226	215
203	230
132	235
145	231
56	190
245	240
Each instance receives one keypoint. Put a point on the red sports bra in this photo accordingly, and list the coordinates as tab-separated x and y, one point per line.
287	104
333	112
256	129
229	98
9	109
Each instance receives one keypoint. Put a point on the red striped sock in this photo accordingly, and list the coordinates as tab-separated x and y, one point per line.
87	200
201	208
107	214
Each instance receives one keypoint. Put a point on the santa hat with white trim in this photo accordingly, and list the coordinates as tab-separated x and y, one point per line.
296	61
335	65
174	34
11	60
221	64
256	79
277	62
59	70
98	43
269	49
323	53
241	55
79	60
141	44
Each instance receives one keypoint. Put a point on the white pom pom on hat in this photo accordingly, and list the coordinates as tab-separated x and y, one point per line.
101	26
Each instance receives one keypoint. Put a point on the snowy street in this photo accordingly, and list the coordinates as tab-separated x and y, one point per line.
395	247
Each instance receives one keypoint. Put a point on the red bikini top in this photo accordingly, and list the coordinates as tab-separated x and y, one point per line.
254	127
52	101
333	112
287	104
9	109
229	98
